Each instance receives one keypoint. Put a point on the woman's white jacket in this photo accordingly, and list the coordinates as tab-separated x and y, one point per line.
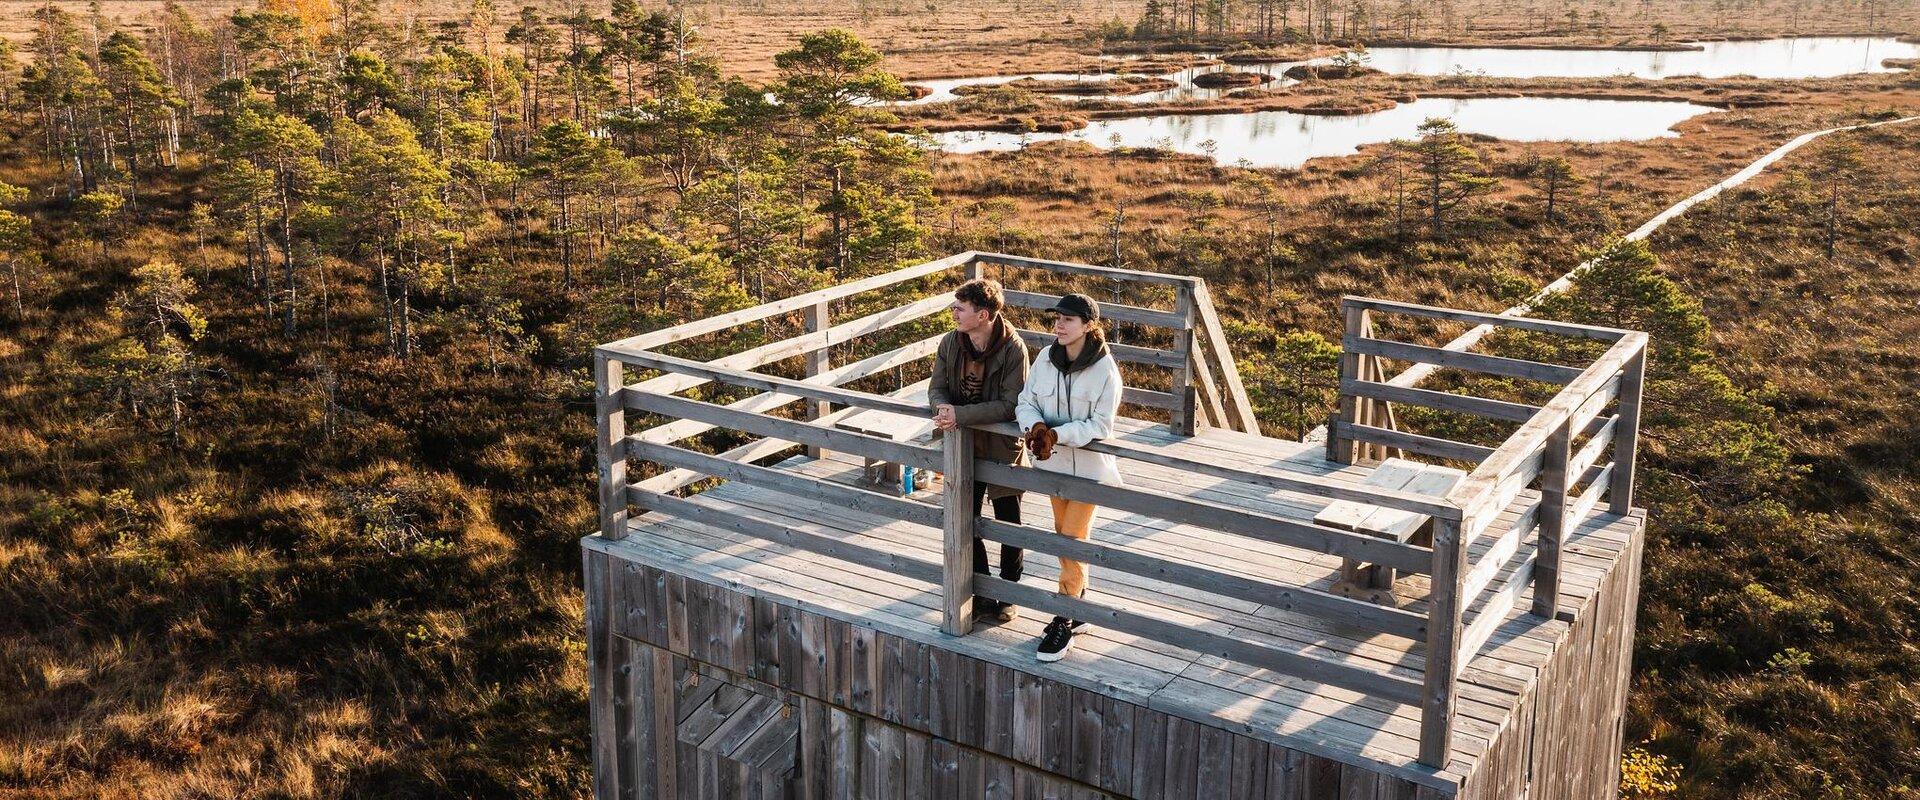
1079	407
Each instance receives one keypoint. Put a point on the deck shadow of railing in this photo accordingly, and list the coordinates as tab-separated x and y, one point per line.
1470	595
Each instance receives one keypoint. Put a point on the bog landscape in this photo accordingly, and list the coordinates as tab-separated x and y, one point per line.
446	399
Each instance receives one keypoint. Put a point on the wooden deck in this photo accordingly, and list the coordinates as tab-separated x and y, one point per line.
1285	709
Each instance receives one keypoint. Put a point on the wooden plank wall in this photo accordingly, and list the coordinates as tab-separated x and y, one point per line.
932	722
1564	740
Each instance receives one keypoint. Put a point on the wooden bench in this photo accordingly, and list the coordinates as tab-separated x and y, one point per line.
1372	582
889	425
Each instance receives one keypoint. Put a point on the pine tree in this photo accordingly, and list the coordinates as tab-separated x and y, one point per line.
272	173
675	129
756	214
872	184
9	73
490	308
667	281
1449	171
145	104
63	87
154	362
536	40
1263	195
16	244
566	160
1556	177
388	200
99	212
1836	165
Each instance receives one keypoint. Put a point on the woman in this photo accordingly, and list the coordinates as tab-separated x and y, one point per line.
1071	396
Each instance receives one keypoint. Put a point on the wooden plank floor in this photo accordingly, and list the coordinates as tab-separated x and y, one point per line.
1380	734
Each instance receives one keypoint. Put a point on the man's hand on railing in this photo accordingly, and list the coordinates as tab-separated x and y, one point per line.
943	417
1040	440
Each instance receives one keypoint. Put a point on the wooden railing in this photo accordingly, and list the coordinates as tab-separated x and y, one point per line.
1541	454
1464	521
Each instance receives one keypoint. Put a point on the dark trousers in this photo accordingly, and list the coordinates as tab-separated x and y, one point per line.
1006	509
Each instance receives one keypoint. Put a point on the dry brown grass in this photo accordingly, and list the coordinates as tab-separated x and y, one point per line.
943	38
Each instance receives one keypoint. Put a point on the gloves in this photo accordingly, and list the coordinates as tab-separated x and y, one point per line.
1040	440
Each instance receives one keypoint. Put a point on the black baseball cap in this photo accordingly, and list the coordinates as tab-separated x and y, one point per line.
1077	305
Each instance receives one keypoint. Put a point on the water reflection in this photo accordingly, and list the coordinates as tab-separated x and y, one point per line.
1804	57
1288	139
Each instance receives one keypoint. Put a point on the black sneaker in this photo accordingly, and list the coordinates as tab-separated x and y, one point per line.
1058	639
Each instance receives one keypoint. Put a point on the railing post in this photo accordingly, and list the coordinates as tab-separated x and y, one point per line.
1553	520
1443	641
956	579
1182	417
610	417
818	361
1340	448
1626	433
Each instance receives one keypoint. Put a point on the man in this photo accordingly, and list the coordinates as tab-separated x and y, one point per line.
977	376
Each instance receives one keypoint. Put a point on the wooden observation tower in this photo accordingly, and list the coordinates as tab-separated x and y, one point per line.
1386	615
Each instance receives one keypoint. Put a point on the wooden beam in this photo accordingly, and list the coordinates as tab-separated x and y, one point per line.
1475	362
668	433
1148	398
1526	443
1482	318
1300	599
1125	353
700	510
1214	337
1590	497
1483	572
1503	599
1205	389
1553	523
1341	449
1076	268
1303	483
819	360
1332	673
1626	444
813	342
1444	401
650	340
1437	698
1589	453
788	430
681	478
793	483
756	380
1265	527
956	577
1414	442
1113	311
610	429
1181	420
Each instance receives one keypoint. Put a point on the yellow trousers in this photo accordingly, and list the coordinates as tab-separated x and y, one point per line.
1075	519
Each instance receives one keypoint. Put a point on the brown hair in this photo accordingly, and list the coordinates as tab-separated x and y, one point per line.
982	293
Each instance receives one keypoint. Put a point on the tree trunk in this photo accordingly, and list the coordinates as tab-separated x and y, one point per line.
286	257
386	303
13	273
